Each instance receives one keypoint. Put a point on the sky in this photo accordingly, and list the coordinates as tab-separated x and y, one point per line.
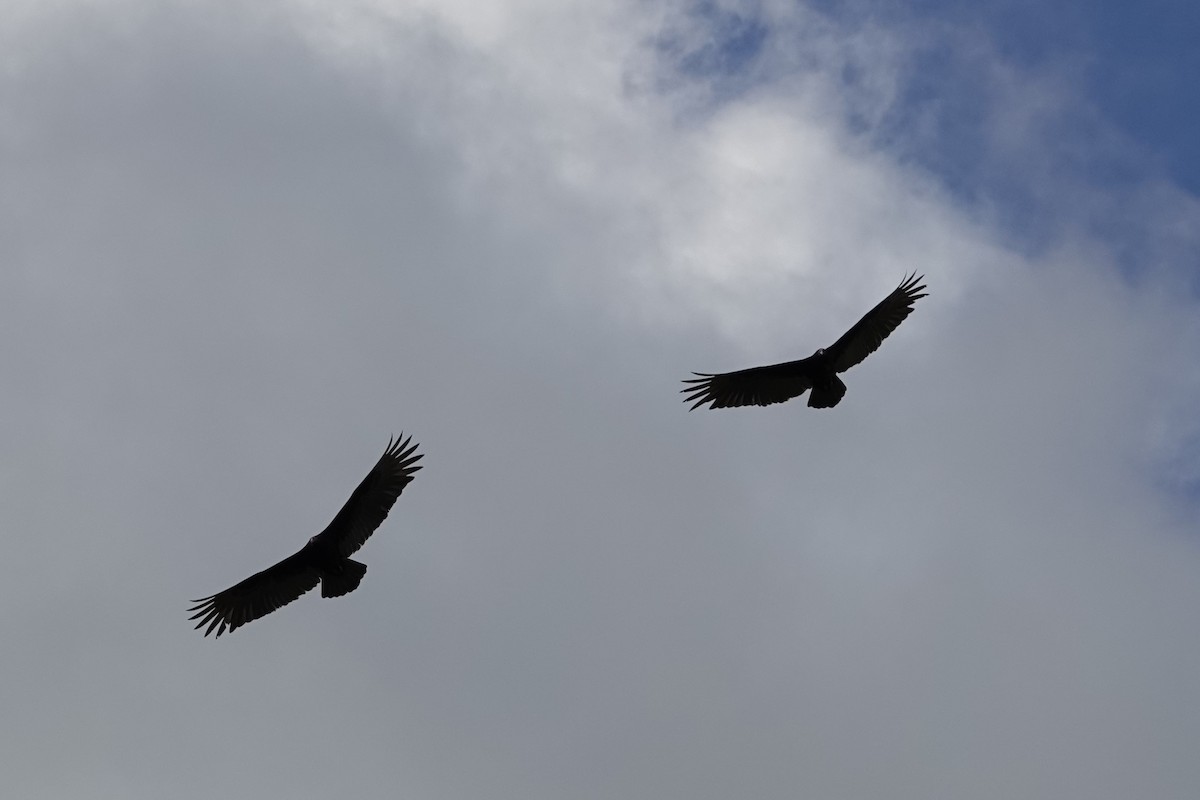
244	244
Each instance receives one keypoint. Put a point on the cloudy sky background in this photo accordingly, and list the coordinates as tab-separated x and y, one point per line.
241	245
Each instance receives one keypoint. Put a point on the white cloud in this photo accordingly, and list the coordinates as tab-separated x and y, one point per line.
248	244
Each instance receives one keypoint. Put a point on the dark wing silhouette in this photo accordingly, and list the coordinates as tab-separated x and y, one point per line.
258	595
870	331
757	386
368	507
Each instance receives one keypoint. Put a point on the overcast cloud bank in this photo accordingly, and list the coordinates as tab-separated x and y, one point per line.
243	246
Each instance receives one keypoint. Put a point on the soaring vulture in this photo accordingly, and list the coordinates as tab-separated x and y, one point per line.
762	386
326	557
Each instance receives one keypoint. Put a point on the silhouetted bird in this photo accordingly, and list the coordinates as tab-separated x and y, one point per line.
762	386
326	557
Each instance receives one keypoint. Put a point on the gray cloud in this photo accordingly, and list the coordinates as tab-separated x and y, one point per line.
242	249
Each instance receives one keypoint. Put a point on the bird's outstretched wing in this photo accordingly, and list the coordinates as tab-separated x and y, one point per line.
368	507
256	596
870	331
757	386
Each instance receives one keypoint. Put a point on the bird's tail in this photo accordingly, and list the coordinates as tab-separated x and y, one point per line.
827	394
346	579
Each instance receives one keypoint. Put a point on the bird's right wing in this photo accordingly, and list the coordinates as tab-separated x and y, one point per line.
757	386
875	326
370	503
257	596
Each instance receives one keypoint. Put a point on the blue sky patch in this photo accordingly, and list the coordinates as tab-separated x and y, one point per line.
1128	73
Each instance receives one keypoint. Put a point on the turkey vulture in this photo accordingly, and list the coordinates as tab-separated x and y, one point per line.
762	386
326	557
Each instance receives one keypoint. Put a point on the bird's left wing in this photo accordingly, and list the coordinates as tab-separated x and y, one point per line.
757	386
368	507
257	596
870	331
